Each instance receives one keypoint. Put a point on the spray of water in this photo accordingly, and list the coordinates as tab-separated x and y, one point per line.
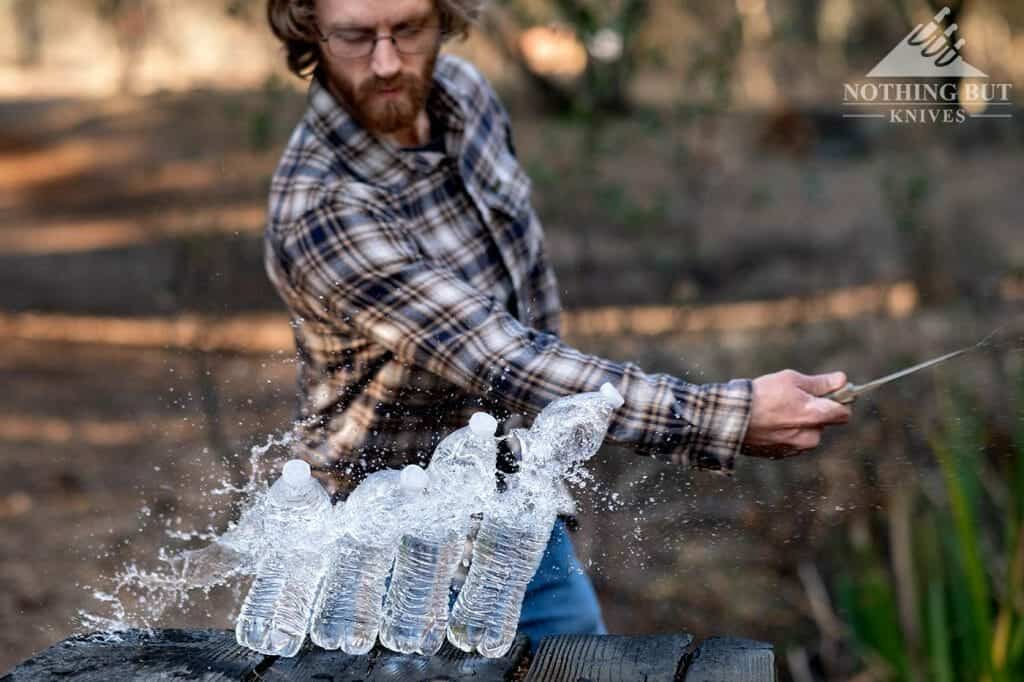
138	597
183	578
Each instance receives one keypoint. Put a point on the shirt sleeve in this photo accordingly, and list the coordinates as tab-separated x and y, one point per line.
357	266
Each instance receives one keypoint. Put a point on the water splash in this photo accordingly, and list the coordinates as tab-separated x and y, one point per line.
183	578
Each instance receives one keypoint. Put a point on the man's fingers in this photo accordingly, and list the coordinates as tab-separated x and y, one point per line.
820	384
816	413
788	443
807	439
822	411
798	438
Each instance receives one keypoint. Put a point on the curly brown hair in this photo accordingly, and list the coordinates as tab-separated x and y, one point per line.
294	24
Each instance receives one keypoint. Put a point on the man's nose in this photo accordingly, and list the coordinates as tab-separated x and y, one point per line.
386	62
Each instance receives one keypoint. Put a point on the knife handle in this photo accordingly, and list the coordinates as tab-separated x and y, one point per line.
845	395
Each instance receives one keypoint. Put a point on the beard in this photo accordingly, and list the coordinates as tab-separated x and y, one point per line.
379	113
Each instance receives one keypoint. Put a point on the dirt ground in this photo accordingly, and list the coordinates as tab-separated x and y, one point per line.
153	207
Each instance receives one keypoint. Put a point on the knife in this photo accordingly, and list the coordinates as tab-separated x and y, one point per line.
848	393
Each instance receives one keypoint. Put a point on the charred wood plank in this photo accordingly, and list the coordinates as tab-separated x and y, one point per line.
731	659
608	658
208	655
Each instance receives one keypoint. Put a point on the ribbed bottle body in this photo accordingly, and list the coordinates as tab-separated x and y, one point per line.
276	612
416	605
506	555
348	610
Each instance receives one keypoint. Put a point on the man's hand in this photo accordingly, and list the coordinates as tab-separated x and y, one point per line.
787	417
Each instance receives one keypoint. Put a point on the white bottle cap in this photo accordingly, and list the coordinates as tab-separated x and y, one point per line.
612	395
483	425
296	472
413	478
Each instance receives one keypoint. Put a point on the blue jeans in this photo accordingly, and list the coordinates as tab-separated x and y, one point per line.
560	600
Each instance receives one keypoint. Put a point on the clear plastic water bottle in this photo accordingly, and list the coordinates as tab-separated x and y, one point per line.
276	612
461	475
368	527
462	467
515	532
506	554
568	431
416	605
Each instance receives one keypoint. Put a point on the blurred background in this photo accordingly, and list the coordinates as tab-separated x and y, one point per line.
710	212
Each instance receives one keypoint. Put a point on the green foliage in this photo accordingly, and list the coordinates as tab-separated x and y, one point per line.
715	63
603	88
618	207
262	124
968	568
906	198
869	599
260	128
108	9
243	10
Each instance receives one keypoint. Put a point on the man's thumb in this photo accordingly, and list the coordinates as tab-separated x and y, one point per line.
820	384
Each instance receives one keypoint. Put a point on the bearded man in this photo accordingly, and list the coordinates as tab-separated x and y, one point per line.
401	237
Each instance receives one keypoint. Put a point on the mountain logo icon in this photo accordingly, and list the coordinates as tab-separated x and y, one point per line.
928	51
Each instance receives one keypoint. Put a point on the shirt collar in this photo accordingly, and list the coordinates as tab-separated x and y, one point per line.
375	160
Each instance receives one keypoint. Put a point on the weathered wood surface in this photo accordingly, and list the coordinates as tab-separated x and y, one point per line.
608	658
731	659
208	655
213	656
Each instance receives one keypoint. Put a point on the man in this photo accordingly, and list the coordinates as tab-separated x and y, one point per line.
401	237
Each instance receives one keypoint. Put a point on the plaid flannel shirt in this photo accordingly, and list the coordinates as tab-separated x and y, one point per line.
420	292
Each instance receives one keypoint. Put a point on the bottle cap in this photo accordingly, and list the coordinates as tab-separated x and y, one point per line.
413	477
612	395
483	425
296	472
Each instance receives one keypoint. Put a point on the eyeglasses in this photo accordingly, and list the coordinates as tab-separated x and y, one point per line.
359	43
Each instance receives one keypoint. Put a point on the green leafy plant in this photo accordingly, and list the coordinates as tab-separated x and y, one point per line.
966	620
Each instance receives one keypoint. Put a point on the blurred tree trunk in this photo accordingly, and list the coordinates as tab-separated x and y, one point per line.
29	27
956	7
130	21
956	11
604	84
808	16
606	80
504	31
906	7
924	248
926	253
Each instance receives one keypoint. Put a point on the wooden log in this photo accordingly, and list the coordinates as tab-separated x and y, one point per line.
383	665
213	655
731	659
208	655
608	658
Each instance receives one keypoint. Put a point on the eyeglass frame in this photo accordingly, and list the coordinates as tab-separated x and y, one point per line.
441	35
